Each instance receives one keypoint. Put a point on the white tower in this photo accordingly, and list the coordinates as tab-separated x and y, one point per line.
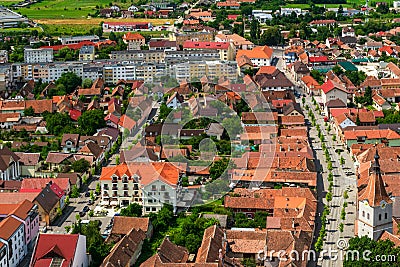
374	206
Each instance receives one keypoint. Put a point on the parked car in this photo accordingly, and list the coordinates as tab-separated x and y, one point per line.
90	202
87	194
85	209
82	213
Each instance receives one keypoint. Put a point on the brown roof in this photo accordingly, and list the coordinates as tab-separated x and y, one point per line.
168	252
375	191
6	155
124	251
8	227
241	241
23	208
40	106
10	117
74	138
386	235
14	197
122	224
28	159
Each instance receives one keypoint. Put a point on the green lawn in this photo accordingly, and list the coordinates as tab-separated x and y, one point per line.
62	8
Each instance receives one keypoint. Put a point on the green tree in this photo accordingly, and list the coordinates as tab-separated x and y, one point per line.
337	70
133	210
329	196
342	161
233	126
368	96
98	188
90	121
70	81
341	226
92	196
29	112
376	250
345	195
95	244
59	211
81	165
74	192
58	123
87	83
255	30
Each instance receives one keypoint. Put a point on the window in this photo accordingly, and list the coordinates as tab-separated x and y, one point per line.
386	216
368	216
153	187
363	213
380	217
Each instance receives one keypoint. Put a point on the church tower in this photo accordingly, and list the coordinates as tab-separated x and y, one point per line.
374	206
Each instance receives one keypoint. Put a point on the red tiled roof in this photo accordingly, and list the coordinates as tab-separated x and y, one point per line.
49	244
318	59
130	36
40	183
8	227
74	114
70	46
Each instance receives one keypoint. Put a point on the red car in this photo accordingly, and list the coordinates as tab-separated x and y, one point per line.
326	119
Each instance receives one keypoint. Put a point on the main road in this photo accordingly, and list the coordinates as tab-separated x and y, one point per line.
335	240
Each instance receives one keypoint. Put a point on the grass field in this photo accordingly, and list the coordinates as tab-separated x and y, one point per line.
62	8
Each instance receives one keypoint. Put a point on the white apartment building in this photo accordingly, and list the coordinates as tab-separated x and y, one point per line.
39	55
114	73
77	39
150	184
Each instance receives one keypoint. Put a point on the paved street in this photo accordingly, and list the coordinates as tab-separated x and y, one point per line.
342	182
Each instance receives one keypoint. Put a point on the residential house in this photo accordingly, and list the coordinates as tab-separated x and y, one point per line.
375	136
13	248
48	205
126	251
27	213
8	120
310	85
93	149
175	101
270	78
259	56
123	225
332	90
126	124
70	142
323	22
394	70
299	70
10	168
29	163
215	129
380	103
134	40
63	250
168	253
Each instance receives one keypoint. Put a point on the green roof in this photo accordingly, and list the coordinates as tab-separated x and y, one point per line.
360	60
348	66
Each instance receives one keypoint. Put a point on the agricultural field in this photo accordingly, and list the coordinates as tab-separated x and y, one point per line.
54	9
